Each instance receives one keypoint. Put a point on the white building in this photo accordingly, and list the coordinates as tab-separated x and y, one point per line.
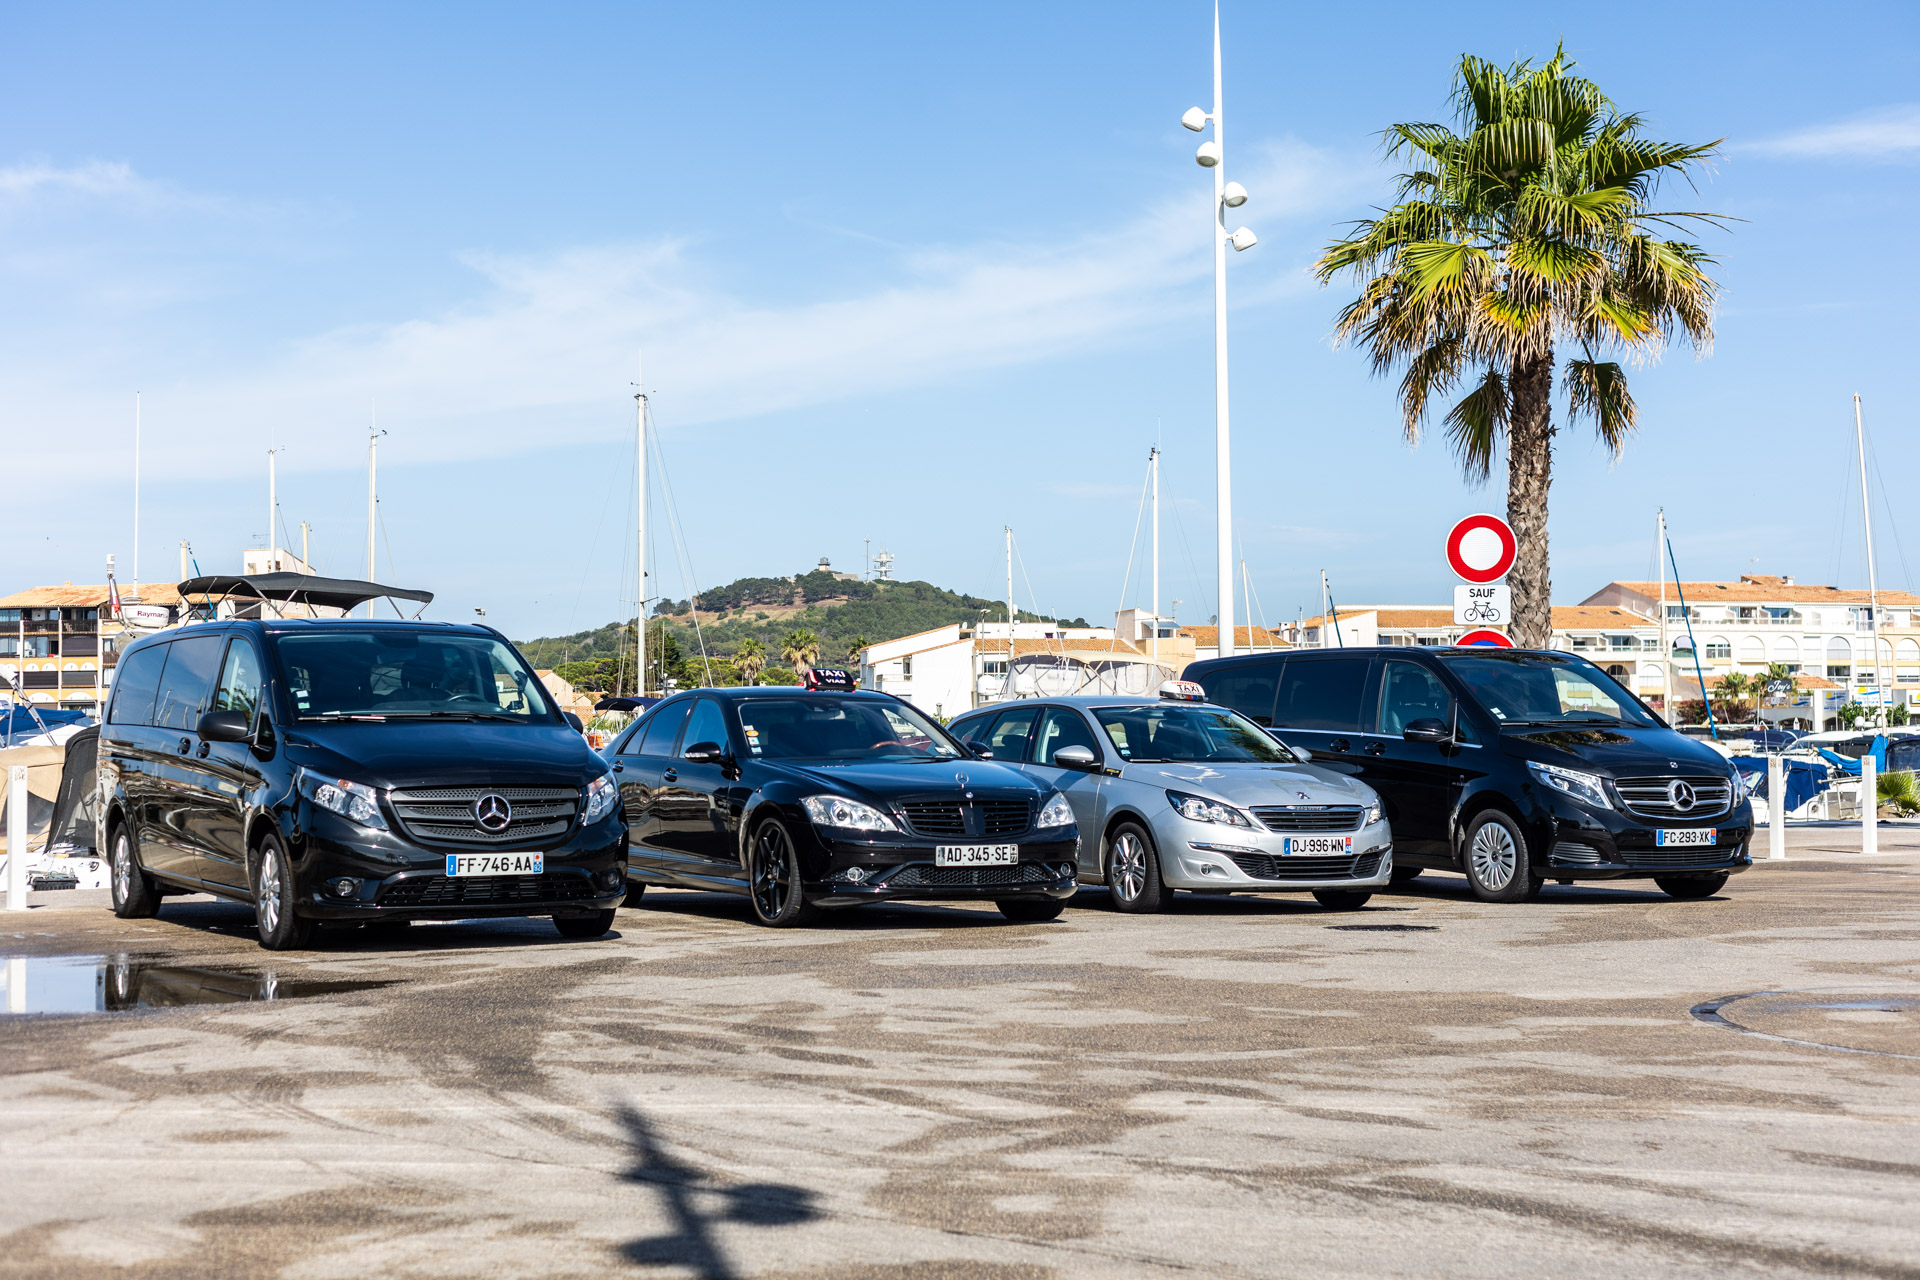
955	668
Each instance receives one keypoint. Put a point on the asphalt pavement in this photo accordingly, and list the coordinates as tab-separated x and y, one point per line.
1603	1082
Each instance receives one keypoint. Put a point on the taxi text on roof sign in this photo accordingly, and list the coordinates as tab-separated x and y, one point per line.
1182	691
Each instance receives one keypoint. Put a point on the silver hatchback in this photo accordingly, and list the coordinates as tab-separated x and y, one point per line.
1172	793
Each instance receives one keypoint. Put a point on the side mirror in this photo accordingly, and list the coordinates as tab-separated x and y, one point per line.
1305	755
702	752
1074	758
225	726
573	720
980	749
1428	729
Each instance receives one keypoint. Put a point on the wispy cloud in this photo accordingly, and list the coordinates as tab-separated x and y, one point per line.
1886	134
549	341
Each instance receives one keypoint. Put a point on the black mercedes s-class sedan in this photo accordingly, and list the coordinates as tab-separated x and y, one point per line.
825	796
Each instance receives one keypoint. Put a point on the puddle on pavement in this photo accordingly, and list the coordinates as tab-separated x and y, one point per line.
118	984
1384	928
1842	1021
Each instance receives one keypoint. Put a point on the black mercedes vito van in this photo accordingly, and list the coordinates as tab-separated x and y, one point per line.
1513	766
353	771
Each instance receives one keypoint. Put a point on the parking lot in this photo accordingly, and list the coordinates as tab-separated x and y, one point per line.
1603	1082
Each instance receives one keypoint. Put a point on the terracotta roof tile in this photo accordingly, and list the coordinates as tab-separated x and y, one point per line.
69	596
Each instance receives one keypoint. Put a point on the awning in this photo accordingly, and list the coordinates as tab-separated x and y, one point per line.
299	588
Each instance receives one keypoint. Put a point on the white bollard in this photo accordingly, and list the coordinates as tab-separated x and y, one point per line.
17	837
1870	798
1776	808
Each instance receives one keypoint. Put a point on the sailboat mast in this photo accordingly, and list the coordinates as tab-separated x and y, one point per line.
373	496
1153	465
135	593
1873	583
640	542
1666	656
273	506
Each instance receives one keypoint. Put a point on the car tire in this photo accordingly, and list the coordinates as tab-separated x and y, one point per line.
281	929
773	878
1133	871
1405	875
135	895
636	889
1341	899
1691	888
1498	864
1031	910
593	925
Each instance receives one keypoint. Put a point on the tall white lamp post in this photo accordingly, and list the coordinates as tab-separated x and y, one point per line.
1226	195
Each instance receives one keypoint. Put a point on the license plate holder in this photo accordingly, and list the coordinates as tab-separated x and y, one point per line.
1315	846
1686	837
975	855
462	865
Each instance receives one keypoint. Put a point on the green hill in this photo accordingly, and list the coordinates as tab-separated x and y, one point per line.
839	613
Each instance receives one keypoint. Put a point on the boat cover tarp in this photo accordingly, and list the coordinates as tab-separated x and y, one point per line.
44	767
18	722
299	588
1804	778
624	704
70	830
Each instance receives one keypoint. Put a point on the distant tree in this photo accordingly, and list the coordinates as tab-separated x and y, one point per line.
1529	229
1730	699
854	648
1851	714
749	659
800	648
1691	713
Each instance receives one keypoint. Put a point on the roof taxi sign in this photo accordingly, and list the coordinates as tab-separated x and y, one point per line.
1182	691
833	679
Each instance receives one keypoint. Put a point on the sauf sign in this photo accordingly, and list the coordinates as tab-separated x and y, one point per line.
1481	550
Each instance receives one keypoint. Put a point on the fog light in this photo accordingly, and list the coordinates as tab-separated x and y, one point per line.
1208	869
850	875
345	887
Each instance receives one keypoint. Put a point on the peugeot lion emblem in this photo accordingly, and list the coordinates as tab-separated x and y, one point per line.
492	812
1680	795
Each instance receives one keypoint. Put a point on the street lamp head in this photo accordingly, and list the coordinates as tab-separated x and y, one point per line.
1195	119
1208	155
1243	239
1233	195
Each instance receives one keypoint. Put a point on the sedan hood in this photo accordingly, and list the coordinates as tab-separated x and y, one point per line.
446	753
1620	751
911	777
1245	785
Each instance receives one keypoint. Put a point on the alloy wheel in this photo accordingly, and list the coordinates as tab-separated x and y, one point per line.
122	869
771	883
1129	866
1494	856
268	900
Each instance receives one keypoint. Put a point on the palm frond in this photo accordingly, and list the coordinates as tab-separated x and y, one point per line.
1476	425
1599	391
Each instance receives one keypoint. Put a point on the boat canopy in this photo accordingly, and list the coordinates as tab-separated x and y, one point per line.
299	588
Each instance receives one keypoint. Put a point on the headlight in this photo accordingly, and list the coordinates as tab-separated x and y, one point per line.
1376	812
1056	812
845	814
602	794
1201	809
351	800
1589	787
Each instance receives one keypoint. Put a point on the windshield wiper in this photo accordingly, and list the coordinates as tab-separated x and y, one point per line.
457	715
348	715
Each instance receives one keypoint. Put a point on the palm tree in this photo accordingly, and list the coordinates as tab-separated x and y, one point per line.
1529	228
1731	697
800	648
854	648
750	659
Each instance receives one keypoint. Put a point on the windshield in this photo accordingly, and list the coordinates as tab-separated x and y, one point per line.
406	674
1545	688
1174	734
830	728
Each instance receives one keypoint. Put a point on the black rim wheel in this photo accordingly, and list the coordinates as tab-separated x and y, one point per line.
773	886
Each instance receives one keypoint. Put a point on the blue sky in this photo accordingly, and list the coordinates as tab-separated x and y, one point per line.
898	272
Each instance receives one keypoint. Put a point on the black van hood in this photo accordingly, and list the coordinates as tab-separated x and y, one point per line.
886	779
1619	751
424	753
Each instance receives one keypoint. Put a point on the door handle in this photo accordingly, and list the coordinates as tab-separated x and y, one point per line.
670	775
619	767
204	748
185	743
1340	744
1376	748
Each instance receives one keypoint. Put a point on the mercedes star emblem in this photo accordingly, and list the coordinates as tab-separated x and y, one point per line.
1680	794
492	812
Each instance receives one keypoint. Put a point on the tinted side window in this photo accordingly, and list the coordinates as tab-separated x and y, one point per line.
134	685
1064	727
709	724
1011	733
662	728
1409	692
972	727
1321	695
1247	687
187	681
239	688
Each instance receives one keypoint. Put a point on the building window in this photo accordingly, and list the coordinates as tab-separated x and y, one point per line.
1836	671
1433	642
1718	648
9	615
1581	643
906	667
995	668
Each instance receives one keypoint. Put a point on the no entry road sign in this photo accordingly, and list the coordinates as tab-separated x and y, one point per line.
1481	548
1489	639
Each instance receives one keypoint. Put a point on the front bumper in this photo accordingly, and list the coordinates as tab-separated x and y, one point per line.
1592	844
883	870
1210	855
395	879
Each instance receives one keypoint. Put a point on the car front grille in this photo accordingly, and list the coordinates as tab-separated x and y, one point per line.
968	818
1309	817
445	815
1654	798
1571	853
924	875
1702	856
1264	867
484	891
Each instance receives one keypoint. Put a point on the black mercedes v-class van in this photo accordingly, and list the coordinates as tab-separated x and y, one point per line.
353	771
1512	766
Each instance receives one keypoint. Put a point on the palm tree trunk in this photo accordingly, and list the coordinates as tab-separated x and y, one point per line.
1529	472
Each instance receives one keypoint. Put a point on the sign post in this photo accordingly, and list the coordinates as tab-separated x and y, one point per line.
17	837
1481	551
